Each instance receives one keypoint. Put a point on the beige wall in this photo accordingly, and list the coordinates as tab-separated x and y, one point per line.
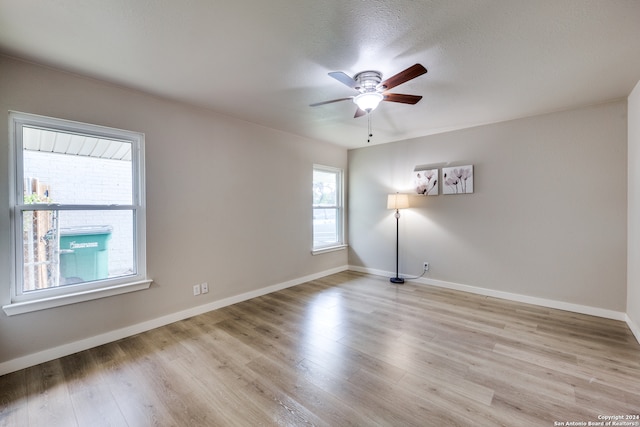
633	255
228	202
547	219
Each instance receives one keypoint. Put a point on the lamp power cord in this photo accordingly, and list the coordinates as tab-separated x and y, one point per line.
424	270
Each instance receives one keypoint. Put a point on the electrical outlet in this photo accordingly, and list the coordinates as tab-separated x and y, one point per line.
425	266
196	290
205	287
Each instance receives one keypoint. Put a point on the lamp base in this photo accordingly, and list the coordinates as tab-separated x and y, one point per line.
398	280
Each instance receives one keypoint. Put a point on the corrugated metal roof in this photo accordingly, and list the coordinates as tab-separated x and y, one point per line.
35	139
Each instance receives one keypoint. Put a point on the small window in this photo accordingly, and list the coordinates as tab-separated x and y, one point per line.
78	210
327	208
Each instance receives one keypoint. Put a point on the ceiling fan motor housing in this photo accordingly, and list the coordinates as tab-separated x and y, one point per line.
368	81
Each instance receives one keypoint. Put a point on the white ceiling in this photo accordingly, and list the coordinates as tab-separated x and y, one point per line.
265	61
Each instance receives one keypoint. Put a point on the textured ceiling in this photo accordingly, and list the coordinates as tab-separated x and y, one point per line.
266	61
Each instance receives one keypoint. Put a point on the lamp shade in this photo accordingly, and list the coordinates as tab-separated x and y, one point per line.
397	201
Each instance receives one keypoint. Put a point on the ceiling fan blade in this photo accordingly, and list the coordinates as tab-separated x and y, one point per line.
398	97
403	76
344	79
330	102
359	113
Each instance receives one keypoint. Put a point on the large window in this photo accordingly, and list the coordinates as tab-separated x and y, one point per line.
78	212
327	208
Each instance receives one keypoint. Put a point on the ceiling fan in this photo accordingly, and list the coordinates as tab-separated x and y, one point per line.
372	90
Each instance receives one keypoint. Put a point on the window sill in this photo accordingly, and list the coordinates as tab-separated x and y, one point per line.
58	301
328	249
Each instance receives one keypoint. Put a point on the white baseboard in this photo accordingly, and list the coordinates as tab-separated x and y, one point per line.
85	344
542	302
634	327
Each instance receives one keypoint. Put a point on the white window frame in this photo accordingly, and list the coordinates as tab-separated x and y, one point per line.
339	207
24	302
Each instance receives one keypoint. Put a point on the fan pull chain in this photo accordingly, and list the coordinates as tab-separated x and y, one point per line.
369	129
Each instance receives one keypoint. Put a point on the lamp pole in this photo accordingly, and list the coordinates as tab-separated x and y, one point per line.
397	279
397	201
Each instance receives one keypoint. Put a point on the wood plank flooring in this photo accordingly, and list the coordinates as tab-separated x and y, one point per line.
346	350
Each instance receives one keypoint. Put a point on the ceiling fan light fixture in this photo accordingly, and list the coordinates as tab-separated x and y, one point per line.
368	101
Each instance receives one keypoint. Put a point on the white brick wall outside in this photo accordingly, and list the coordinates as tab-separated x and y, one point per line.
88	180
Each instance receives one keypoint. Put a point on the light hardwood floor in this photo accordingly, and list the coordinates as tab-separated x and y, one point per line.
348	349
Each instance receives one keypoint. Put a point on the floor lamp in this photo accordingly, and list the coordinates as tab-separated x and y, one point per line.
397	201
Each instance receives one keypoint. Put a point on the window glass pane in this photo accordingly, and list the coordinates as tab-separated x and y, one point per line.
62	248
325	185
325	226
66	168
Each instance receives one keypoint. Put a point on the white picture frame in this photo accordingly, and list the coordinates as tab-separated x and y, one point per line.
457	180
425	182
